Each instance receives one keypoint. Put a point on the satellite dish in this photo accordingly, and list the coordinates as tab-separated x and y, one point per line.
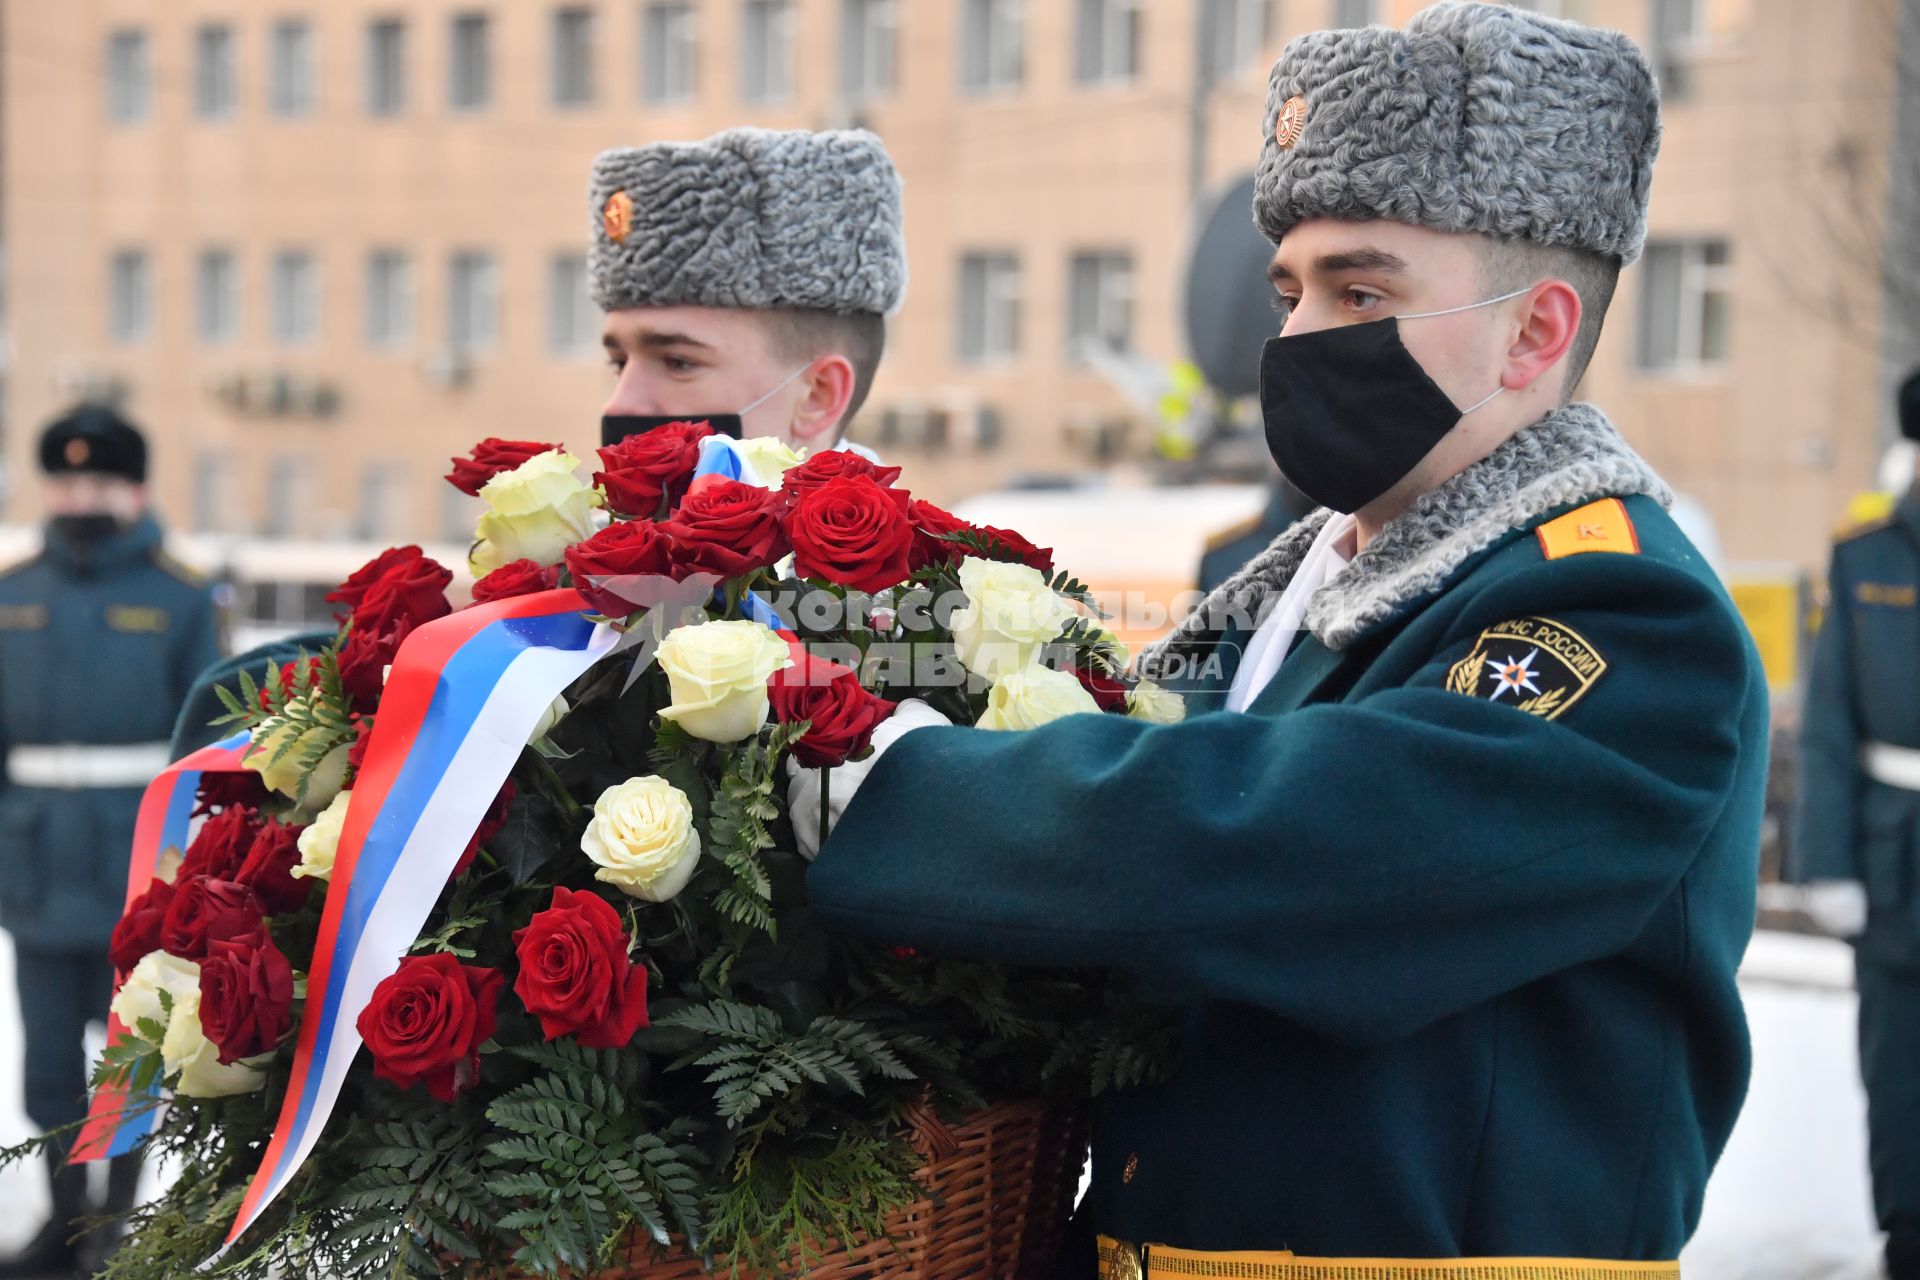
1229	303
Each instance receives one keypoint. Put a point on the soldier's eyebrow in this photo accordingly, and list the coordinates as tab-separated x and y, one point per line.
655	340
1364	258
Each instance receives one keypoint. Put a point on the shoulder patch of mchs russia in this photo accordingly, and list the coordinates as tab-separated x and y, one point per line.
1535	665
1598	526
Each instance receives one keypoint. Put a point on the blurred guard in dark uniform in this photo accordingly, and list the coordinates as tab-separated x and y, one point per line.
1857	841
1231	547
100	637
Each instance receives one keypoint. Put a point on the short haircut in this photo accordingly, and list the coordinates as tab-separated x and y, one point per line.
1508	264
860	336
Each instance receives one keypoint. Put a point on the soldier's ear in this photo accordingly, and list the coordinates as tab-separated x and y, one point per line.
1549	321
828	384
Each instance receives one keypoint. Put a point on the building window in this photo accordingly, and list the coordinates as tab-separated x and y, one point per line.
469	86
289	486
667	54
766	65
383	502
213	491
1100	303
386	67
1106	41
216	73
130	296
473	303
296	296
1686	306
291	78
573	321
1235	32
216	296
989	320
572	57
870	33
992	45
389	299
1355	13
129	77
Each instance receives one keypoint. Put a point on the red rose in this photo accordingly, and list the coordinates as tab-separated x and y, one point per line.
1014	548
205	911
367	654
728	528
841	714
1109	693
654	465
138	932
426	1023
238	788
624	567
927	549
294	680
403	580
221	844
490	825
362	735
575	974
246	996
831	464
268	870
489	458
521	578
853	532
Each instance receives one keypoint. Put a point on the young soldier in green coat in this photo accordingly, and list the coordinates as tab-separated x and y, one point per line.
1452	862
1857	834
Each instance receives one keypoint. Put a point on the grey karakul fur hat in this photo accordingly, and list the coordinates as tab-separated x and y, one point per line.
749	218
1477	117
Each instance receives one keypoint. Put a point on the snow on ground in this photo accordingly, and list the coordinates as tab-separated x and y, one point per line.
1788	1202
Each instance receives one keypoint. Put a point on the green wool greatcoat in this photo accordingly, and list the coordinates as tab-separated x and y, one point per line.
1456	978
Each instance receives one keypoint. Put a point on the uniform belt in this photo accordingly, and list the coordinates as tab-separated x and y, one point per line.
1894	766
79	768
1122	1261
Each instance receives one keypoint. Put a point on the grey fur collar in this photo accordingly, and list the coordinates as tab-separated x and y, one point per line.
1573	455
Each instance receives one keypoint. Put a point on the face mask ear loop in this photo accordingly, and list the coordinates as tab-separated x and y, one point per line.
1471	306
780	386
1482	403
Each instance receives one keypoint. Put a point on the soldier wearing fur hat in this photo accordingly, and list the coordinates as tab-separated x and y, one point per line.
101	634
1857	831
746	280
1450	866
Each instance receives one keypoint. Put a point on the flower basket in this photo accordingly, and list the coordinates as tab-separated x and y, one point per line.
999	1190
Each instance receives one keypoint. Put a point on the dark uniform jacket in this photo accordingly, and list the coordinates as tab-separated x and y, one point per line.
98	646
1230	548
1451	914
1865	687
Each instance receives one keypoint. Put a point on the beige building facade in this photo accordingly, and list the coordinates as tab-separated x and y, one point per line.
320	247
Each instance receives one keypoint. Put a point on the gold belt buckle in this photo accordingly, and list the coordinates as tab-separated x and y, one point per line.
1129	1263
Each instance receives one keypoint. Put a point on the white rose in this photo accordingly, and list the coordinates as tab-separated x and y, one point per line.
1010	615
642	838
1034	695
764	459
279	752
188	1051
139	996
718	673
552	716
1156	705
321	840
534	512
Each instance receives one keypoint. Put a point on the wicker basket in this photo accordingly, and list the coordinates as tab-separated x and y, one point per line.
1000	1189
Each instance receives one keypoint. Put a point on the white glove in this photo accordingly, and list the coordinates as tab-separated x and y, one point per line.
803	789
1838	907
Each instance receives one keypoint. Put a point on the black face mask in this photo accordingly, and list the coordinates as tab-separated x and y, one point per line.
1349	411
615	427
84	530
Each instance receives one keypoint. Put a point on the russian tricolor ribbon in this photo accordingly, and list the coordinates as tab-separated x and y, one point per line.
116	1119
464	694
